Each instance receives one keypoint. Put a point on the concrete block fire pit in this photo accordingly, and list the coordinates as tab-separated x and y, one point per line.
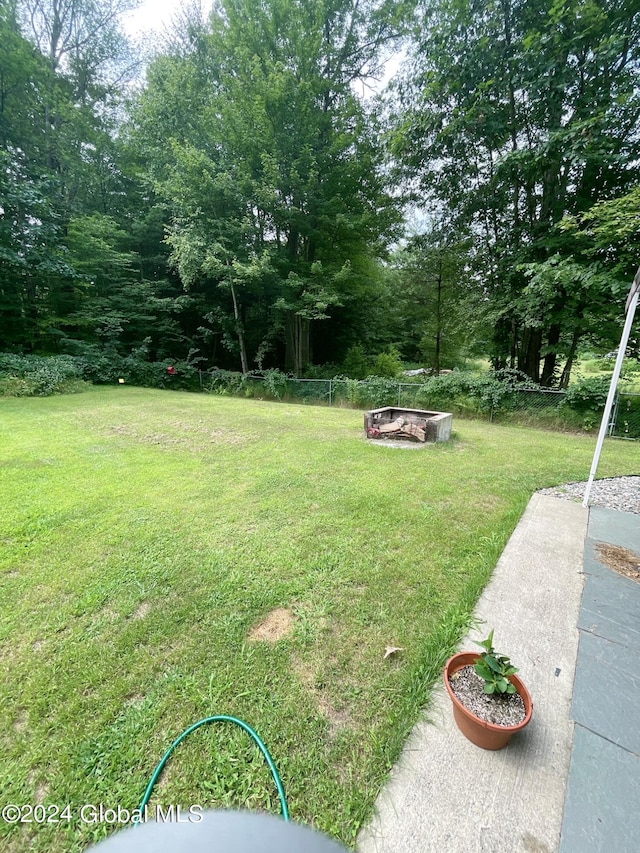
396	424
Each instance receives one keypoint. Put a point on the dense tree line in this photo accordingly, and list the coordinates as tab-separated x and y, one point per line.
517	117
243	207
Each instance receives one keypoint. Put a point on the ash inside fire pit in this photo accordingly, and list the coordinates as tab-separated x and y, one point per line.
416	425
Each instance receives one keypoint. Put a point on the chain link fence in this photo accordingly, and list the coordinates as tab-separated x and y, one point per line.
625	421
528	407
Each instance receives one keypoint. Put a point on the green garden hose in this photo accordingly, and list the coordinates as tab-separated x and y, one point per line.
220	718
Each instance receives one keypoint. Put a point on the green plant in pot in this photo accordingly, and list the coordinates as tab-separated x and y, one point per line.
495	669
490	702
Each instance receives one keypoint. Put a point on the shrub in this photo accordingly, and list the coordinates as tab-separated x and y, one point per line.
470	392
599	365
226	382
40	376
587	399
107	368
388	364
356	364
588	395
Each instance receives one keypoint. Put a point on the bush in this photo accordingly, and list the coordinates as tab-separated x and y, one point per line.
599	365
472	393
628	421
588	395
356	364
107	368
40	376
388	364
226	382
587	399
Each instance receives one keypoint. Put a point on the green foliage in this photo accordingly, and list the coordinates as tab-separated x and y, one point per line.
599	365
106	367
227	382
495	669
588	396
59	64
273	173
520	114
388	364
35	376
356	363
628	416
471	392
275	383
436	308
41	376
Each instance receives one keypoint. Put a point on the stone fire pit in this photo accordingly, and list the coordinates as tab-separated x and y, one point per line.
417	425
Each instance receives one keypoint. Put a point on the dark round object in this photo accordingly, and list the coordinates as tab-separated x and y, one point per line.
222	832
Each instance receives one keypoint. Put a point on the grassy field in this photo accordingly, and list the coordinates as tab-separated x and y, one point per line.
146	535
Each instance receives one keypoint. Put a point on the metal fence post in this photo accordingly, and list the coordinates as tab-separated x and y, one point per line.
613	423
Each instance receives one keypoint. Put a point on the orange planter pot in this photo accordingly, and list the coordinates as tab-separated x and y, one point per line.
483	734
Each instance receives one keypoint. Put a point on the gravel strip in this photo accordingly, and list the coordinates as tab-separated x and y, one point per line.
622	493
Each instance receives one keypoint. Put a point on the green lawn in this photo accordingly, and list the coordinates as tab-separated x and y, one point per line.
146	533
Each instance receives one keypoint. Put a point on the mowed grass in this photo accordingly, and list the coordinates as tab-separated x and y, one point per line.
145	534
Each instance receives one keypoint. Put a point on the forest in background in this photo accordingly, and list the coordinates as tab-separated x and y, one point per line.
243	202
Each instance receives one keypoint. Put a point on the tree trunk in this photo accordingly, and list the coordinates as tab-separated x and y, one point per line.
240	332
514	343
566	373
436	361
298	343
550	358
529	355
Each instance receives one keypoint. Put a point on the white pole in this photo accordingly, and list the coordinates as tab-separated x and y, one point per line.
632	303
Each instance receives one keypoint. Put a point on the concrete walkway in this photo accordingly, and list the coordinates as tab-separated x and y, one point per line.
447	794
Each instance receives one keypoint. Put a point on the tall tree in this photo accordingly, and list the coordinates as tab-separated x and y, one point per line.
63	187
435	297
521	112
31	263
275	178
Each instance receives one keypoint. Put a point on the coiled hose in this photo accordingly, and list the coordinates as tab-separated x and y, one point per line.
220	718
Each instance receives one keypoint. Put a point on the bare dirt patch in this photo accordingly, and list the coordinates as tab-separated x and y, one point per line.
107	614
275	627
621	560
41	792
142	611
21	721
194	437
338	718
